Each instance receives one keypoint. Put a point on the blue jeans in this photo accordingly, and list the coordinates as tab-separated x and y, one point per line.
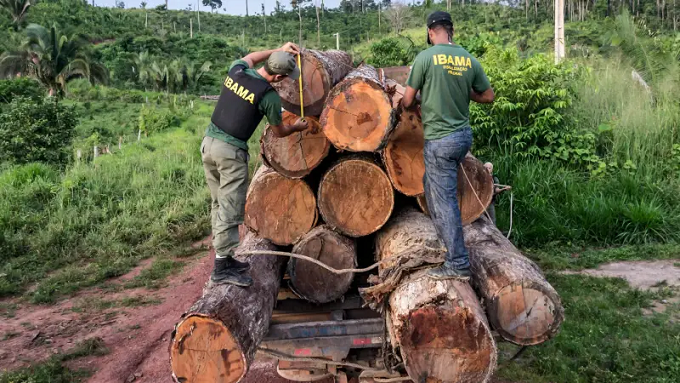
442	158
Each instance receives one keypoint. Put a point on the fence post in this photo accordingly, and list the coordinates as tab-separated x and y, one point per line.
139	134
96	151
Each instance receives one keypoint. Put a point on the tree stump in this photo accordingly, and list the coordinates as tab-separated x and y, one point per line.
474	191
279	209
314	283
295	156
521	305
439	327
358	115
320	72
216	339
355	196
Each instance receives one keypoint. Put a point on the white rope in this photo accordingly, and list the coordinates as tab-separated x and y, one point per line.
309	259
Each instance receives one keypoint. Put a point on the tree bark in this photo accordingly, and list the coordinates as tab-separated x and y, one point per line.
320	72
521	305
403	155
439	327
315	283
359	116
480	185
279	209
216	339
355	196
294	156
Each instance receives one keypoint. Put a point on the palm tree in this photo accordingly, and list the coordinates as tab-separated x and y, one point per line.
18	10
53	59
187	74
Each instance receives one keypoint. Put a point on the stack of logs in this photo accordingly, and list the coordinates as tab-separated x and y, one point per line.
318	191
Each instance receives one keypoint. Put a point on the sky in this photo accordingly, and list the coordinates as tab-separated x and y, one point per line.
233	7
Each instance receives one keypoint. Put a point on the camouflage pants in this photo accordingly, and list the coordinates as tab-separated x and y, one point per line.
226	171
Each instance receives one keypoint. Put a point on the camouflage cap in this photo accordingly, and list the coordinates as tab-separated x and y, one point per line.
283	63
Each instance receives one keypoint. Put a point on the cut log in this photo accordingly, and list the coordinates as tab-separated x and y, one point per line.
475	190
279	209
521	305
320	72
314	283
439	327
358	115
216	339
403	155
294	156
355	196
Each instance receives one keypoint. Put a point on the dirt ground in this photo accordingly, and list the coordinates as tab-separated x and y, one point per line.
137	337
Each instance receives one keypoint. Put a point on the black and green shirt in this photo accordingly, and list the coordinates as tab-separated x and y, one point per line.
444	74
269	105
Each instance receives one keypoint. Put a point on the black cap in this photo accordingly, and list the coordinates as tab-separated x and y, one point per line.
438	18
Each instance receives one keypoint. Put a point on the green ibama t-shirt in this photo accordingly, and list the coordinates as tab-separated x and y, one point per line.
444	74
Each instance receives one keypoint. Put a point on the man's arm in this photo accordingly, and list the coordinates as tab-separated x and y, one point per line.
252	59
409	97
485	97
286	130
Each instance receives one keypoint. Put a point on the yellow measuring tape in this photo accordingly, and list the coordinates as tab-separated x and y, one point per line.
302	104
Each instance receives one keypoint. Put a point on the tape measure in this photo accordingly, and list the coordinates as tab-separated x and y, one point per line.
302	103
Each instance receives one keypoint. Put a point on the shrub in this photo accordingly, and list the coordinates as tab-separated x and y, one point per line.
392	51
33	131
21	87
152	120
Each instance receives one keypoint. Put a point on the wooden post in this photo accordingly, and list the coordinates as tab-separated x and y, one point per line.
96	151
120	143
191	28
559	31
198	14
139	135
174	26
79	154
146	21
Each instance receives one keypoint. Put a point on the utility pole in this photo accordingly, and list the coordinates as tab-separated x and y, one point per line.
198	14
337	40
379	12
559	31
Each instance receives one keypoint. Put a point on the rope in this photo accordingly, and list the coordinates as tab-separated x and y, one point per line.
510	230
475	193
390	380
291	358
309	259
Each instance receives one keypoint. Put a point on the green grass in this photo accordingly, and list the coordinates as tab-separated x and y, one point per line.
604	338
53	370
63	232
153	276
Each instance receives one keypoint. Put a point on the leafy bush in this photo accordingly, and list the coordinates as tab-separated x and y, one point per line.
392	51
152	120
530	117
36	132
21	87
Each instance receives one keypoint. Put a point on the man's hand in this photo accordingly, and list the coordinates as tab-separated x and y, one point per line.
290	48
409	98
485	97
300	125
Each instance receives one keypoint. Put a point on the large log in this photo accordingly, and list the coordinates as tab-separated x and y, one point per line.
295	156
279	209
359	116
320	72
314	283
438	326
475	190
403	155
521	305
355	196
216	339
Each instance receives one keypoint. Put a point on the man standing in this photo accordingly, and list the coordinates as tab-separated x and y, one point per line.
247	96
448	77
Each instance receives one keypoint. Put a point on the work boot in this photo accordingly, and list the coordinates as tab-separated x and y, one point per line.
238	265
449	272
224	272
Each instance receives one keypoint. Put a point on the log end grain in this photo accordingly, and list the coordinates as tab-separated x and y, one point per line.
525	313
475	190
314	283
403	155
295	156
204	350
441	330
279	209
358	115
356	197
